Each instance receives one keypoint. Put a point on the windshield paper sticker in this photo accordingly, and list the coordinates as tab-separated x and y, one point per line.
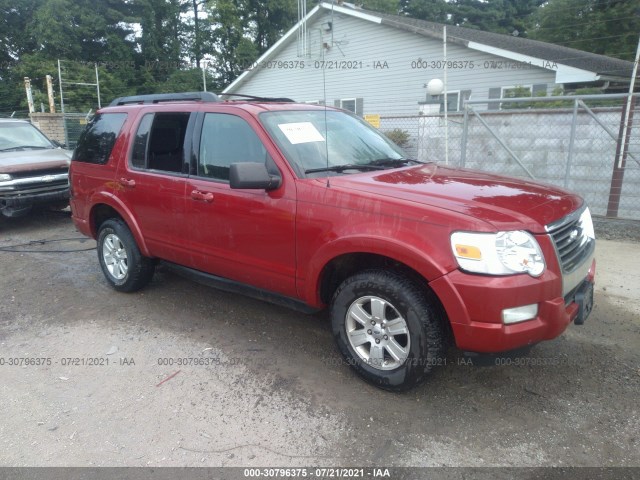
302	132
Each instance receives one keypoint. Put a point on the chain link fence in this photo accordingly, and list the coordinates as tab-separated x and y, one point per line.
74	124
18	114
571	142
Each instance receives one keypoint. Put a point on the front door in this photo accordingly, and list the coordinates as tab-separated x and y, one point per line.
244	235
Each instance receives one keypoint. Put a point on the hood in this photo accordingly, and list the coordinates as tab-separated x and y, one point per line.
504	203
25	160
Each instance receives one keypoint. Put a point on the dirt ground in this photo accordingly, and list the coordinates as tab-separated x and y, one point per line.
265	386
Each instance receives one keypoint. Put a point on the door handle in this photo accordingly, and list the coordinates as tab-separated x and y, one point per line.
198	195
127	183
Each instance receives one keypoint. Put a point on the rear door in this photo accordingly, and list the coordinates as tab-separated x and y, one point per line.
244	235
152	183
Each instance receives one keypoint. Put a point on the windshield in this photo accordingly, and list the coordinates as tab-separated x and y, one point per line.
315	147
18	135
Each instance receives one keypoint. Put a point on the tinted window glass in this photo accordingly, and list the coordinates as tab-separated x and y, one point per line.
166	142
227	139
97	140
138	156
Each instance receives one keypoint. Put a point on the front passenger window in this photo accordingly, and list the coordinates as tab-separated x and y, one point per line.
227	139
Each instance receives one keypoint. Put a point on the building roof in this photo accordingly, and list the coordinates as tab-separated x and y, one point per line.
569	64
600	64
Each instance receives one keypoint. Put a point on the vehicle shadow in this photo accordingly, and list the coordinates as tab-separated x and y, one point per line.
36	220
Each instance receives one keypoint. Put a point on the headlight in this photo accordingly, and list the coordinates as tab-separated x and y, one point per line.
502	253
5	177
587	224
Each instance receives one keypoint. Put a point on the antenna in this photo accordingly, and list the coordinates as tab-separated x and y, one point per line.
302	28
326	127
324	95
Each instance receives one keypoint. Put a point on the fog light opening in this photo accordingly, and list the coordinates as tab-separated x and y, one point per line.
519	314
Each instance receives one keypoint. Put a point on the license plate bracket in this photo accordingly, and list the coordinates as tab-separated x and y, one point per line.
584	299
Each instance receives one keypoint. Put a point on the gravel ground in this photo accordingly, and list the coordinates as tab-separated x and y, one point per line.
615	229
265	386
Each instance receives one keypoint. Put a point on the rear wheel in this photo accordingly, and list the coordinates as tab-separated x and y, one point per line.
387	328
124	267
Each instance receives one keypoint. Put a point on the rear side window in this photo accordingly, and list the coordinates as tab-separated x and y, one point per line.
140	142
159	142
97	140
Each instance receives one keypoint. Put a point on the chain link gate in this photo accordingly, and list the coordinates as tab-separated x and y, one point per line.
74	124
569	141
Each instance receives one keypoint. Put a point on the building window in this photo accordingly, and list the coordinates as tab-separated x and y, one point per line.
348	104
453	101
516	91
355	105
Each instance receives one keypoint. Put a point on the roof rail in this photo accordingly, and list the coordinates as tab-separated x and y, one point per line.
259	99
166	97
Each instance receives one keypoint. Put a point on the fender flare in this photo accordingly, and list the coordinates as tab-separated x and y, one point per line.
404	253
109	199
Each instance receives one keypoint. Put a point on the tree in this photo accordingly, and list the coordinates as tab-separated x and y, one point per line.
81	33
83	30
607	27
242	30
15	41
500	16
233	50
383	6
14	35
267	20
430	10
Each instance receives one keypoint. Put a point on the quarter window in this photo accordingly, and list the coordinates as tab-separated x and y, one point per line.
97	140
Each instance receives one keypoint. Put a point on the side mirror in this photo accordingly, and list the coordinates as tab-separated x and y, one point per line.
252	175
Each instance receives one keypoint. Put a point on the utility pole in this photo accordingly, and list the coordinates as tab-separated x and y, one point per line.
27	87
446	101
622	148
52	103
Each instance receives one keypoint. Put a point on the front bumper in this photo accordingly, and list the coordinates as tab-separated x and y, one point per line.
17	200
474	304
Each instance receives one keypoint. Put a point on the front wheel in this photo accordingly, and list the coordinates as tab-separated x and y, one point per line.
387	329
124	267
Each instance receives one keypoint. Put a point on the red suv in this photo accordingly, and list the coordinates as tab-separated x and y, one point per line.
311	207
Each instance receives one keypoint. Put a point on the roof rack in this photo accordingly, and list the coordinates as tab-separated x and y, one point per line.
166	97
259	99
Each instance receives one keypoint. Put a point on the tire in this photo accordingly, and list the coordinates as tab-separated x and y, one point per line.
124	267
396	304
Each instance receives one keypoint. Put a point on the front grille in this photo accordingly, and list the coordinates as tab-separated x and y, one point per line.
34	189
571	242
37	173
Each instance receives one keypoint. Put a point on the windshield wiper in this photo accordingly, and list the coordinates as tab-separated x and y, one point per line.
394	162
342	168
